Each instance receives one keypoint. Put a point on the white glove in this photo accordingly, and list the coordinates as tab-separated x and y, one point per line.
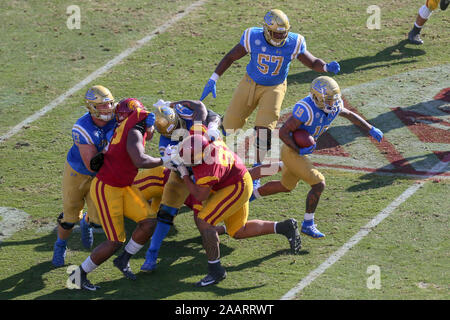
183	171
213	134
167	158
161	103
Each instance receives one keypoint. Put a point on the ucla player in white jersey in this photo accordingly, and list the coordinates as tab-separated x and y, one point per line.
271	49
89	136
314	113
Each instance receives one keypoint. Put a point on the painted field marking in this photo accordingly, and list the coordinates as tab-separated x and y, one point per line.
12	220
97	73
364	231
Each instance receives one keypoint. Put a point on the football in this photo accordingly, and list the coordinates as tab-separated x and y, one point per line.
302	138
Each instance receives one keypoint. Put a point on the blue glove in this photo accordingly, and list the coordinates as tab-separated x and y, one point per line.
376	134
334	67
308	150
209	87
150	120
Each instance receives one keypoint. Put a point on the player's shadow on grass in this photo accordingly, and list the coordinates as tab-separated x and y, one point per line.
379	179
25	282
393	55
180	265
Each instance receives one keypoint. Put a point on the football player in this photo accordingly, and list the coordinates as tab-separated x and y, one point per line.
423	15
114	195
89	135
223	185
192	116
314	113
271	49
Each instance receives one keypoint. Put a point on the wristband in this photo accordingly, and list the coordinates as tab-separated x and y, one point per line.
325	67
214	77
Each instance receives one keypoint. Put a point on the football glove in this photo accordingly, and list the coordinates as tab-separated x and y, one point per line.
167	158
376	134
213	134
308	150
150	120
182	170
161	103
209	87
333	66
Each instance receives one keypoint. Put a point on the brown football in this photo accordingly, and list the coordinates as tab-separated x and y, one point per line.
302	138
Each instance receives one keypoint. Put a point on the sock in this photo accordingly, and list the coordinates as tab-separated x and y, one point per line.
309	218
416	29
275	227
214	267
158	236
61	242
88	266
133	247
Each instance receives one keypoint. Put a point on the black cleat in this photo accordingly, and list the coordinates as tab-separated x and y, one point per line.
414	38
289	228
444	4
211	279
125	268
84	283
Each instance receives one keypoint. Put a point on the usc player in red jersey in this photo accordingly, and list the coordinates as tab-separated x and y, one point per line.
224	186
113	192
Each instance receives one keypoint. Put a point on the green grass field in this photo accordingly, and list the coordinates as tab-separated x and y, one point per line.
41	59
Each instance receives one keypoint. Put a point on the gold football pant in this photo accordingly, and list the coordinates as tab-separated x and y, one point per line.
432	4
75	190
151	184
114	203
297	167
230	205
175	191
247	97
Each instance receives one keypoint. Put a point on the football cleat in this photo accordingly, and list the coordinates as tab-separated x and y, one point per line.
311	230
444	4
125	268
87	233
100	102
414	38
211	279
85	284
289	228
59	253
148	266
150	261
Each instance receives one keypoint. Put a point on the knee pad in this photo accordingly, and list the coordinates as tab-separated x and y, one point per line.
64	225
425	12
263	138
166	214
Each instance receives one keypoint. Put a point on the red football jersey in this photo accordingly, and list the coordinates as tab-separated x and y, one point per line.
221	169
118	170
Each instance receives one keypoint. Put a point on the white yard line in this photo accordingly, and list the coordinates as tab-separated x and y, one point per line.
364	231
94	75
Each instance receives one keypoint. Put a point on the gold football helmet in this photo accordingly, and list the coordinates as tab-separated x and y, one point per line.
97	96
326	94
167	120
276	27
